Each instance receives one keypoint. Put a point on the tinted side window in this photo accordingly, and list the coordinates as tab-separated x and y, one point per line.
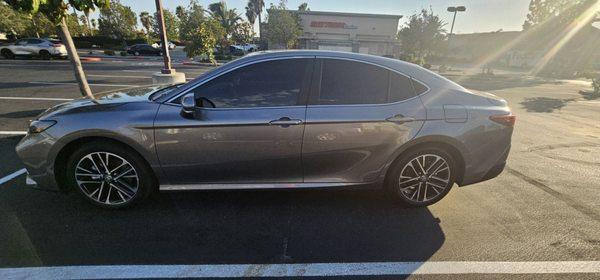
349	82
400	87
419	87
264	84
33	41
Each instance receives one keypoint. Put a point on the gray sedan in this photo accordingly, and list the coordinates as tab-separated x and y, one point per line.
291	119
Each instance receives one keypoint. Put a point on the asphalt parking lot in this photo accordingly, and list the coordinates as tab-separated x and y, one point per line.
545	207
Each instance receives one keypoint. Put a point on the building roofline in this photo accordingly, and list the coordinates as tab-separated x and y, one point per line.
346	14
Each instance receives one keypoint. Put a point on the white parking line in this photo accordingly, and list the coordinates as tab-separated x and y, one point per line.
98	85
297	270
131	77
13	132
34	98
10	177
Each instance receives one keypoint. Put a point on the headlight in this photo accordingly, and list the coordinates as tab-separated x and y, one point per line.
39	126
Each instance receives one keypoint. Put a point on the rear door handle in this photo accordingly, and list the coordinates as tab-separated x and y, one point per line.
400	119
285	121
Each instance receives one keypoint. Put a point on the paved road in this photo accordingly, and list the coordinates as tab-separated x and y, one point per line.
544	207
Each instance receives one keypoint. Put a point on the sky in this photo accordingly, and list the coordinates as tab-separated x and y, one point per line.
481	15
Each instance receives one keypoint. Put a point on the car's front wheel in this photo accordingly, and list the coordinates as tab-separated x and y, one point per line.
109	175
422	177
45	55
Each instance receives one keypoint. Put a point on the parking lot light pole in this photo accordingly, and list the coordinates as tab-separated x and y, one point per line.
167	75
455	10
163	38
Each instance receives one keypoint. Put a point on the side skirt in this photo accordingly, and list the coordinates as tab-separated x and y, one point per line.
256	186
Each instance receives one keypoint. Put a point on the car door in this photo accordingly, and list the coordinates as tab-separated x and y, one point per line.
33	46
252	135
358	115
20	47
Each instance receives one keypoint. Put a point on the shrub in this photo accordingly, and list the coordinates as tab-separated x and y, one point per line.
109	52
123	53
596	85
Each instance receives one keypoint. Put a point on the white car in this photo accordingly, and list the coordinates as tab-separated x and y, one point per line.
171	45
243	48
44	48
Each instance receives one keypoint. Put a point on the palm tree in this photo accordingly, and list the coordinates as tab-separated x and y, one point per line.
257	6
250	15
146	20
228	18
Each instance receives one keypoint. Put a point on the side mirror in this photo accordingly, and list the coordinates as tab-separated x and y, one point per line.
188	104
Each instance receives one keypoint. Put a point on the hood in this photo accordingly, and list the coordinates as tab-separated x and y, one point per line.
114	98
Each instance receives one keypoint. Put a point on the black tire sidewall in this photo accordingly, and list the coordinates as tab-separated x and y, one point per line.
146	178
45	55
396	168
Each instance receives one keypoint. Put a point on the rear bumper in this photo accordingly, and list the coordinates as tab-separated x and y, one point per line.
476	175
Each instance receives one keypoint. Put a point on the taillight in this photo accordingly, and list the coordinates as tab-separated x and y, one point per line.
57	45
508	120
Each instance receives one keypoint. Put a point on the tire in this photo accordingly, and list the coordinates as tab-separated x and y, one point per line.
45	55
415	188
120	189
8	54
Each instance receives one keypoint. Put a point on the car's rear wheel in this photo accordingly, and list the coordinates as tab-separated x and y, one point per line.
422	177
109	175
45	55
8	54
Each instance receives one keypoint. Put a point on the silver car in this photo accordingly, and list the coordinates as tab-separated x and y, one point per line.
291	119
43	48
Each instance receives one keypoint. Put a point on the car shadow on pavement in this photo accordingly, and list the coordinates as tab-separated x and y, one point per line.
22	114
218	227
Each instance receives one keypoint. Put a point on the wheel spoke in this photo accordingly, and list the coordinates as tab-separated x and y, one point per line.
434	188
127	186
88	171
124	173
108	195
410	180
120	190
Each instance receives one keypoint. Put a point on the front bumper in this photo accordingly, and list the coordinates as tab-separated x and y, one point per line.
34	150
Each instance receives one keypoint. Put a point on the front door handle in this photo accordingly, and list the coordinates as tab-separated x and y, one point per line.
400	119
285	121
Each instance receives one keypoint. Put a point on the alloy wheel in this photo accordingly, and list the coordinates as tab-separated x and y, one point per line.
424	178
107	178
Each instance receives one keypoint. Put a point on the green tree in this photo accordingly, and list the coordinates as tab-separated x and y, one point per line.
171	25
256	6
283	27
56	11
422	36
228	18
117	21
250	15
243	33
303	7
86	13
180	12
146	20
190	19
75	27
202	43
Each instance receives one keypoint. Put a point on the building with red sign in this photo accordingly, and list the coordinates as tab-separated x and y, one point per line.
352	32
